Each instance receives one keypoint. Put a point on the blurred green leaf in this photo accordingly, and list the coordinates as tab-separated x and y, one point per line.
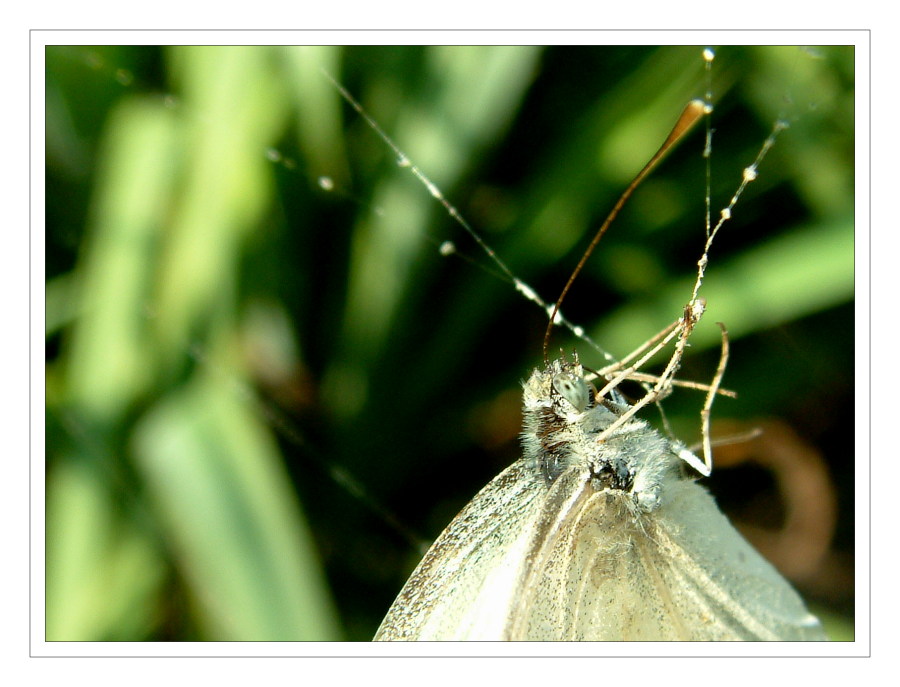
227	510
762	288
108	364
103	573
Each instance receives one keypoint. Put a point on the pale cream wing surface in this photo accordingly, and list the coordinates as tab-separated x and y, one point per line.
466	584
682	572
725	585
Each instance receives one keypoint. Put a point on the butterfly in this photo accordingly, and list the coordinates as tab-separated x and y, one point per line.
588	540
600	531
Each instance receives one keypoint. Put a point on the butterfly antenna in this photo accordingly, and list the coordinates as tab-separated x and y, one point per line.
691	114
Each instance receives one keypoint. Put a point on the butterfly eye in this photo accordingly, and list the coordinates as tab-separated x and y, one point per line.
572	388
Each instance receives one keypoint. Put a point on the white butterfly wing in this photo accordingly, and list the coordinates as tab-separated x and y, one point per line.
681	572
524	561
467	582
727	590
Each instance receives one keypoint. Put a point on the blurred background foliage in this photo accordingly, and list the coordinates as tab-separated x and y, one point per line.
267	391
